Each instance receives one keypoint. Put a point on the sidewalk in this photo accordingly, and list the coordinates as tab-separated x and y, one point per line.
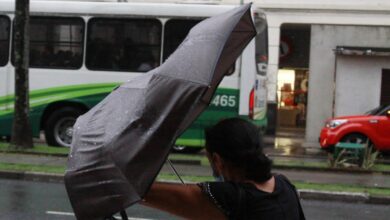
362	179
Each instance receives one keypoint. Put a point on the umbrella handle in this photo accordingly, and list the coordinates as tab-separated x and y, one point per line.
124	215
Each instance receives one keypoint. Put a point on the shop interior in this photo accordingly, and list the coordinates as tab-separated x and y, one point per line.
292	97
292	83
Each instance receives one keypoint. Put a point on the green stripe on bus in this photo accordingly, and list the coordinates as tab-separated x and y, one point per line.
60	90
46	96
190	142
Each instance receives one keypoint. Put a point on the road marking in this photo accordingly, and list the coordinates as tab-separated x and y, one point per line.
59	213
135	218
72	214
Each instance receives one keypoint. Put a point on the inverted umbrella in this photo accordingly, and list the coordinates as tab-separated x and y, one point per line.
120	145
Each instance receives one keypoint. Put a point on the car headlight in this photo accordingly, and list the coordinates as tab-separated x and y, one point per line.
335	123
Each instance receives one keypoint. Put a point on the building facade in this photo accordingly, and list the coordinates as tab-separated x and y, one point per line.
338	83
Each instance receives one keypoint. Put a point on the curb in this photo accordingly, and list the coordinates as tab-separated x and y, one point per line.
32	176
334	196
324	169
343	196
349	197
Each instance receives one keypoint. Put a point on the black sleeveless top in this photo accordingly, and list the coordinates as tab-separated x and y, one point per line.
245	201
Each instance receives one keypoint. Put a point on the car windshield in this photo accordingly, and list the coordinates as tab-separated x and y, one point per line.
376	110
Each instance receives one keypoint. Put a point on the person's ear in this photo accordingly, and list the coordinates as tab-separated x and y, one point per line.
218	162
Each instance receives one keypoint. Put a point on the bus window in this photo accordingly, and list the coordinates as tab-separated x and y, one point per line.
123	44
174	33
56	42
261	44
4	40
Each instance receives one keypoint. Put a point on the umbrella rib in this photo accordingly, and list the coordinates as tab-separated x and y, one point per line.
174	170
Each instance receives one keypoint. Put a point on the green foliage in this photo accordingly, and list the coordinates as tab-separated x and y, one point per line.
32	168
370	156
364	158
339	161
39	149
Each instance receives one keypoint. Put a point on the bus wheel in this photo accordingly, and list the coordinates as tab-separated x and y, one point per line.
184	150
59	126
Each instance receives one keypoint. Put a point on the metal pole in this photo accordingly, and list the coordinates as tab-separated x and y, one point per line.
174	170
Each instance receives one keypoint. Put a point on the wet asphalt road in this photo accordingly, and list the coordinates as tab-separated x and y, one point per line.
20	200
27	200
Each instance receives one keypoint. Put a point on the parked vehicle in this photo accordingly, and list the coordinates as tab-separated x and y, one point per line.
80	51
374	126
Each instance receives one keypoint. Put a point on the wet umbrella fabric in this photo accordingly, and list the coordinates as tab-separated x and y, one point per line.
120	145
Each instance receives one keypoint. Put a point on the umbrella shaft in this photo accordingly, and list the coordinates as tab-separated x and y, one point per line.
174	170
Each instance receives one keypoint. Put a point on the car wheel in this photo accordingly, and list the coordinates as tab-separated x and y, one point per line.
184	149
59	126
355	138
358	139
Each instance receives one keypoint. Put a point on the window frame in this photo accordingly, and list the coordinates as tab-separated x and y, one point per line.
7	58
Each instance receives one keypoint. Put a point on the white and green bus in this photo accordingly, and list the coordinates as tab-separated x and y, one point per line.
80	51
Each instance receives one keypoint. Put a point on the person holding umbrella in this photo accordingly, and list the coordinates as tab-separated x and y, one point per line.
245	187
119	146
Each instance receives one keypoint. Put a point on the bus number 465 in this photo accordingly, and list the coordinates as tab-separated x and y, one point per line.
224	100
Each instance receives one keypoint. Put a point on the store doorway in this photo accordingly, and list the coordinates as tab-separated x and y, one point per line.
292	82
385	87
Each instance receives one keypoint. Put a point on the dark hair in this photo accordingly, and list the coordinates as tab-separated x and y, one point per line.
239	143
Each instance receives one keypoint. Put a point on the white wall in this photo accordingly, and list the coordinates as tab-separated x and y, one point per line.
358	83
324	39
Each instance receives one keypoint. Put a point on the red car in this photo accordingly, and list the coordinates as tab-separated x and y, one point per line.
374	126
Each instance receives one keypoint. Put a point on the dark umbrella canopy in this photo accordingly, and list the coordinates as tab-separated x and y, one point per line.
120	145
